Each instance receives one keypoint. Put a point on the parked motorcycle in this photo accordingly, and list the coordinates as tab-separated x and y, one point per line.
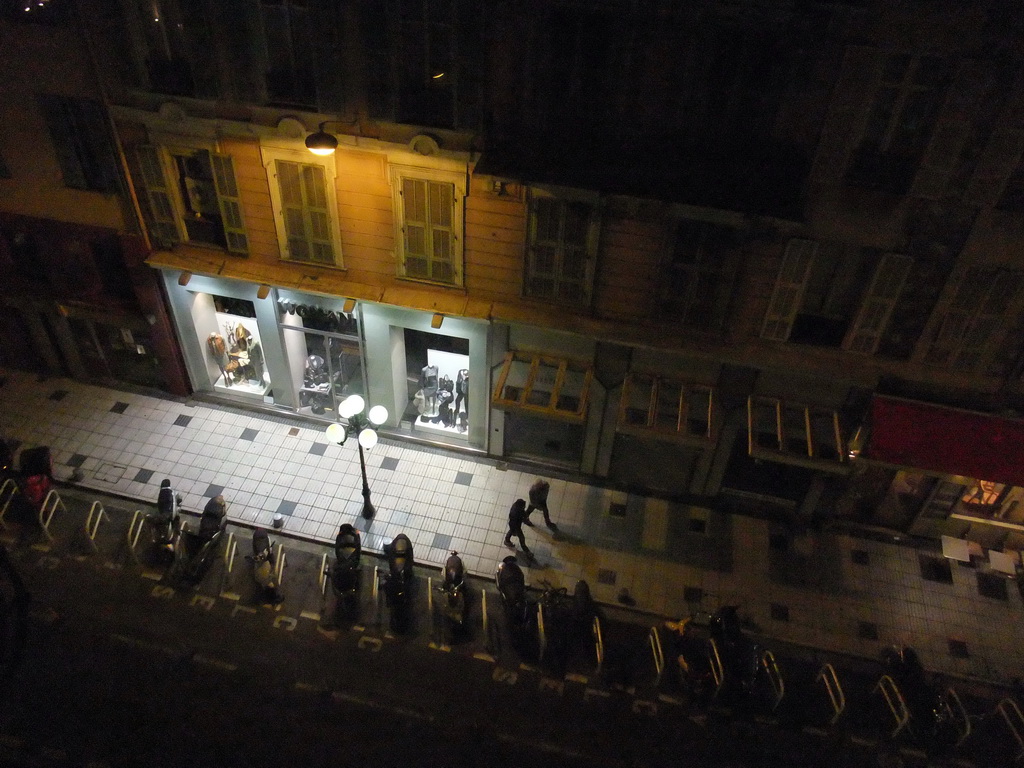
264	567
346	572
931	715
165	522
511	583
197	550
453	589
398	582
36	470
740	656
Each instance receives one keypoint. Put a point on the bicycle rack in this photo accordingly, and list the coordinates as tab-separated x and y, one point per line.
774	677
1010	712
598	644
323	575
654	638
92	523
542	637
135	531
279	570
430	609
7	492
483	619
894	700
47	510
375	592
958	712
229	563
715	661
827	675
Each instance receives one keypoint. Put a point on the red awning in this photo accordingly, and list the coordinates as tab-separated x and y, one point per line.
946	440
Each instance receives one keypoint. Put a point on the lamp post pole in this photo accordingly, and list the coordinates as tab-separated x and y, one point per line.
364	427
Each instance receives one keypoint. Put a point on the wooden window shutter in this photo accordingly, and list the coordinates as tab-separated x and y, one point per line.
789	289
159	212
414	221
1002	154
318	214
879	303
440	204
942	154
230	204
847	112
305	209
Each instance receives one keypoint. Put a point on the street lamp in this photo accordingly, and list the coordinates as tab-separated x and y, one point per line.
364	427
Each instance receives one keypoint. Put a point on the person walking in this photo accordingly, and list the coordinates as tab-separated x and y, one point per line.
516	517
539	500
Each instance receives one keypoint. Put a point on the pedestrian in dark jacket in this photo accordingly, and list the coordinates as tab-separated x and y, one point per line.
516	517
539	500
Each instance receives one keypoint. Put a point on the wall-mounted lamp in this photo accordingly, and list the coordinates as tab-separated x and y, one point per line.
436	320
348	306
321	142
263	291
184	277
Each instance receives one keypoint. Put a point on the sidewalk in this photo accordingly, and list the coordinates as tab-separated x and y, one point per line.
823	590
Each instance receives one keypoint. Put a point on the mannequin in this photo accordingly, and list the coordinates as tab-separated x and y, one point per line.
428	383
461	392
219	353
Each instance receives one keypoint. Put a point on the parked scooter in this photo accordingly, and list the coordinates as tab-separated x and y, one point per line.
740	656
165	522
264	567
931	716
398	582
196	551
36	469
567	620
453	588
511	583
346	573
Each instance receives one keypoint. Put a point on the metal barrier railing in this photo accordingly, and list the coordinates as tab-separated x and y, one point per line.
375	594
959	715
1011	714
894	699
92	523
7	493
715	662
827	675
230	550
47	510
598	644
323	575
488	645
430	610
135	531
771	668
279	571
654	639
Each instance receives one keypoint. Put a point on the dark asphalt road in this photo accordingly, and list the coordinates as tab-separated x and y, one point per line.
122	670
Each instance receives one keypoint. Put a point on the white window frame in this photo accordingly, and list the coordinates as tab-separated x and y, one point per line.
166	147
270	155
398	172
593	236
878	304
788	293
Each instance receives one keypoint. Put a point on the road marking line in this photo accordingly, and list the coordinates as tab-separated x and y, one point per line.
572	677
815	731
309	615
206	660
483	656
912	752
862	742
305	687
231	595
443	648
359	700
152	575
664	697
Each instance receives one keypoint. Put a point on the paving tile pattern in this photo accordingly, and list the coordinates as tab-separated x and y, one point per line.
846	594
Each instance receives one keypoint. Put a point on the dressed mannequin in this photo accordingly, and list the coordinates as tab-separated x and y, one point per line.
219	353
461	392
428	384
248	353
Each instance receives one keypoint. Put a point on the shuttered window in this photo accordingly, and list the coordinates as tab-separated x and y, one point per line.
562	240
157	208
879	302
230	204
429	237
976	319
306	213
81	139
789	289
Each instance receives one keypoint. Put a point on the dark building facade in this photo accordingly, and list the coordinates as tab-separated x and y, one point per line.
697	249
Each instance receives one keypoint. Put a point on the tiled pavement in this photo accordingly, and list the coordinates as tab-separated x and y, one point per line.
825	590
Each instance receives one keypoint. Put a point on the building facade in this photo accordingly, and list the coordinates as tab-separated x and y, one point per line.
695	249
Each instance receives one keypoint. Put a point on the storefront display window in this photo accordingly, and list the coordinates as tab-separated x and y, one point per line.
438	367
230	336
323	349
